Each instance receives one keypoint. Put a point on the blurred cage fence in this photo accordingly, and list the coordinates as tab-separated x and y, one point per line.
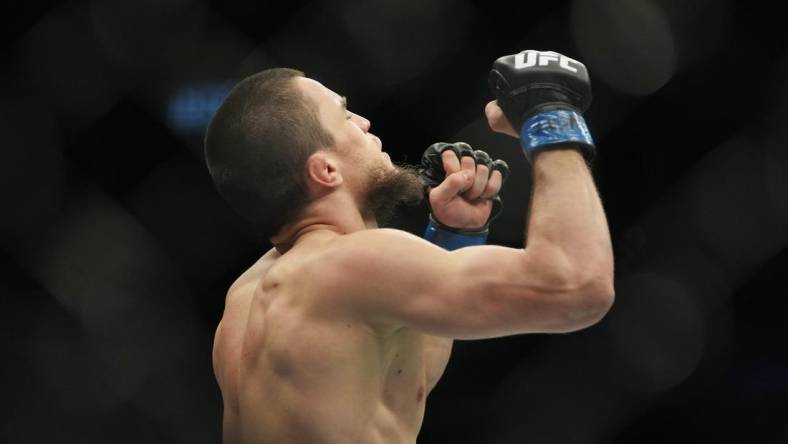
117	252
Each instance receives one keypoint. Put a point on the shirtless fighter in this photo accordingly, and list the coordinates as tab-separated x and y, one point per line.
339	333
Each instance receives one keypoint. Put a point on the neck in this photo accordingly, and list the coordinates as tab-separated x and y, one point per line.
335	213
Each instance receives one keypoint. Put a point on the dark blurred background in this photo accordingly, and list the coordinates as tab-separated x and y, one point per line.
117	252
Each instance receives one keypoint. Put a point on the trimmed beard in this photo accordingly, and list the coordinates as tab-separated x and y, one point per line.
388	188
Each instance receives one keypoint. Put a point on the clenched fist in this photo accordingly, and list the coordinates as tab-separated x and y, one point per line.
463	185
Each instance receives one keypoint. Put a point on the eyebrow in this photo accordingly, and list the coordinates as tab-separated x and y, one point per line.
343	99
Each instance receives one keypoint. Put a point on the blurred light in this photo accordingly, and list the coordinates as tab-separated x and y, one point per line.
563	392
67	366
732	219
628	45
401	39
191	107
64	61
775	162
188	98
323	53
657	331
150	36
700	29
31	171
133	317
106	271
178	204
730	205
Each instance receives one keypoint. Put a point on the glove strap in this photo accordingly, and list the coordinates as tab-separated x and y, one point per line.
452	238
550	128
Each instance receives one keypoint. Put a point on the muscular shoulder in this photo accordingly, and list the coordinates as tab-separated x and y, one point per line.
252	276
229	332
237	300
368	270
367	247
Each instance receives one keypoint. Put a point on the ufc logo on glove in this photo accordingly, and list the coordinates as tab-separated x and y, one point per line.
544	95
527	59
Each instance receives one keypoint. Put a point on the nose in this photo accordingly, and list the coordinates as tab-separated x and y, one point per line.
362	123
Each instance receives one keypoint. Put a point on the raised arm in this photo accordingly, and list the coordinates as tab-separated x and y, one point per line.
562	281
391	277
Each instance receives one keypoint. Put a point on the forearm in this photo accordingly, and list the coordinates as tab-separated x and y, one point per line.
567	214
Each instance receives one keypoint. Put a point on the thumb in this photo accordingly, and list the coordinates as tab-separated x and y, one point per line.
453	185
497	120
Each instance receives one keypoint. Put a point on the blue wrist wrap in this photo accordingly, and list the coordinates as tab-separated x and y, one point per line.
556	127
452	239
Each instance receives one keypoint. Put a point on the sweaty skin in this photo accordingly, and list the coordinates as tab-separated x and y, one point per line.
339	333
293	365
295	369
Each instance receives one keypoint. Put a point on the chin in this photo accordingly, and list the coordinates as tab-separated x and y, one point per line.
386	162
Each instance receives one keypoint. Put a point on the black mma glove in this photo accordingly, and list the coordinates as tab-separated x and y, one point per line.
432	172
543	95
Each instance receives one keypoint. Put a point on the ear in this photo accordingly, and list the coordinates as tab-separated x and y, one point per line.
322	169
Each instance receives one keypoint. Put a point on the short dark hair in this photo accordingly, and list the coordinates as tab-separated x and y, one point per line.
257	144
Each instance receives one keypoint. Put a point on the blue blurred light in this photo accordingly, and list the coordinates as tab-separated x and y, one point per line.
192	106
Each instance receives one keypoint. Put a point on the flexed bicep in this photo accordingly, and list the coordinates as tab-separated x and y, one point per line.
394	278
